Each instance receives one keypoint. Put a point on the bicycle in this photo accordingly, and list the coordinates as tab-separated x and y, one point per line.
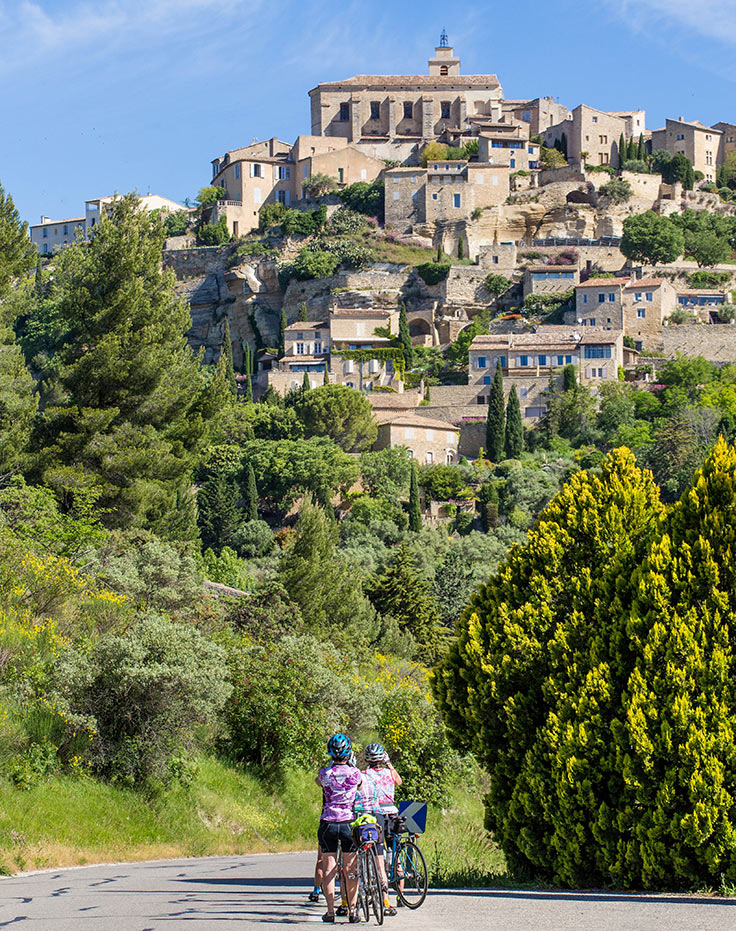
370	894
406	867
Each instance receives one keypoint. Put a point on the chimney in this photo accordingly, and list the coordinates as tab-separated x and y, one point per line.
45	219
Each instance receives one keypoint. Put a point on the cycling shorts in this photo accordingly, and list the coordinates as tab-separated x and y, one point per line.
330	833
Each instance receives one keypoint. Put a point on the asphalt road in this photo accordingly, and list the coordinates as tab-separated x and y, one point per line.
262	891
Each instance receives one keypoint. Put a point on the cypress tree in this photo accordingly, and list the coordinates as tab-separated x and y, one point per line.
640	148
326	376
415	511
250	508
282	333
496	420
569	378
439	253
303	312
621	150
38	286
405	337
227	353
488	500
305	383
563	144
514	428
248	389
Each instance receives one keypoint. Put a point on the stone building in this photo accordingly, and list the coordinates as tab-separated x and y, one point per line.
728	140
599	303
391	115
429	441
508	144
340	347
540	113
593	132
550	279
706	304
49	236
639	307
700	143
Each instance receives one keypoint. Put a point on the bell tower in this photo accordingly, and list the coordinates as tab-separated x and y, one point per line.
444	62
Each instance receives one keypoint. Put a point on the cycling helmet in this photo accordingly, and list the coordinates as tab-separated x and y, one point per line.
375	753
339	747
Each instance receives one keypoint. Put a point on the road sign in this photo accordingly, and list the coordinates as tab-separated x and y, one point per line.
416	816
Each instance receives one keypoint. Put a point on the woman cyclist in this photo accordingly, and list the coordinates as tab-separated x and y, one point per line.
384	779
339	783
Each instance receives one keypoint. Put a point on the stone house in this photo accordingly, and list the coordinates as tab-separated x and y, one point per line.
704	303
550	279
49	236
599	303
508	144
700	143
390	115
429	441
639	307
728	140
540	113
332	346
593	132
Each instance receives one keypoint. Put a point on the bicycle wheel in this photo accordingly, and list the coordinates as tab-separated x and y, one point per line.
363	894
373	885
411	867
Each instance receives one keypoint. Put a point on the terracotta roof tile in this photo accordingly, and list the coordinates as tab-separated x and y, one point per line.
645	283
603	282
358	312
410	80
410	419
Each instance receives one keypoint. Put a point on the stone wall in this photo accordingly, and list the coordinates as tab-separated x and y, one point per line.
717	342
646	187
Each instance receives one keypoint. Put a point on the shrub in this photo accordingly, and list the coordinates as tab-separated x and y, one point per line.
271	215
146	689
310	264
177	223
318	184
443	482
616	190
704	279
364	198
214	234
303	223
253	539
345	220
433	272
348	251
637	165
258	247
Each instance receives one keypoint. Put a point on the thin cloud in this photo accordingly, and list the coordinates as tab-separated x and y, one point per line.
714	19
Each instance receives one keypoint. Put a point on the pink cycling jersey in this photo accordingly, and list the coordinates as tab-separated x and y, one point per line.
384	780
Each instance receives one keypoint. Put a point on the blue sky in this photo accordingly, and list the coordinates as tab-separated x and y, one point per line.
106	95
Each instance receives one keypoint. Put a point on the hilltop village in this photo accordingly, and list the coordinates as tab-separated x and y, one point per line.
485	232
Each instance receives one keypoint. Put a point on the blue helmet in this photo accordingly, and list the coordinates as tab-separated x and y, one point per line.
339	747
375	753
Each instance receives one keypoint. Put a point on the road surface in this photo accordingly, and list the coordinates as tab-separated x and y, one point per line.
264	891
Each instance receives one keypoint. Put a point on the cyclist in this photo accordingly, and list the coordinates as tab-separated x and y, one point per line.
383	777
339	782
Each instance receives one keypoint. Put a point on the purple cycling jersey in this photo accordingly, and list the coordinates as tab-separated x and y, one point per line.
339	785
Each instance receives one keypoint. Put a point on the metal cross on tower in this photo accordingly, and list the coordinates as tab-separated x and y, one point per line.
444	42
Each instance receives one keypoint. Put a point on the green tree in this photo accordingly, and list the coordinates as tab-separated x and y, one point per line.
339	412
303	312
551	158
325	587
569	378
126	405
318	184
622	151
248	389
282	333
649	238
17	252
219	516
496	284
708	248
206	196
496	419
401	592
314	264
460	248
415	510
442	482
250	494
488	500
453	584
215	234
305	382
514	437
405	337
386	473
227	355
640	149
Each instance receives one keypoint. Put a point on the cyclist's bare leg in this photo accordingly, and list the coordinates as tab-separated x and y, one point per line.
350	865
329	871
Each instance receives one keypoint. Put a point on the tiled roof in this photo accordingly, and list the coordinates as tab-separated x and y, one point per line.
602	282
307	325
57	222
358	312
409	419
645	283
304	358
390	400
408	80
552	268
547	338
717	291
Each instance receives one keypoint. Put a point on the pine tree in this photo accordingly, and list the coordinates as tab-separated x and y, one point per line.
250	508
640	151
496	419
218	513
303	312
282	333
17	252
514	441
405	337
415	510
227	353
127	406
404	594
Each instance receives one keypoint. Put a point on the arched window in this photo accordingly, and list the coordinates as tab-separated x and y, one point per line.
443	69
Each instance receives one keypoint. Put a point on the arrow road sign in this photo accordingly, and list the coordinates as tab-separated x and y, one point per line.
416	816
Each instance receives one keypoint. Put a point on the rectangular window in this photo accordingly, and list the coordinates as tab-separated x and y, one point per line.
523	392
494	180
501	360
568	360
523	360
450	437
601	297
650	296
637	296
542	360
641	313
486	379
256	171
317	348
560	360
45	233
397	195
611	296
595	119
363	174
533	413
408	110
66	230
340	175
375	110
429	457
585	299
455	200
430	436
481	362
281	197
434	197
236	171
592	321
284	172
597	352
344	112
301	349
445	110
